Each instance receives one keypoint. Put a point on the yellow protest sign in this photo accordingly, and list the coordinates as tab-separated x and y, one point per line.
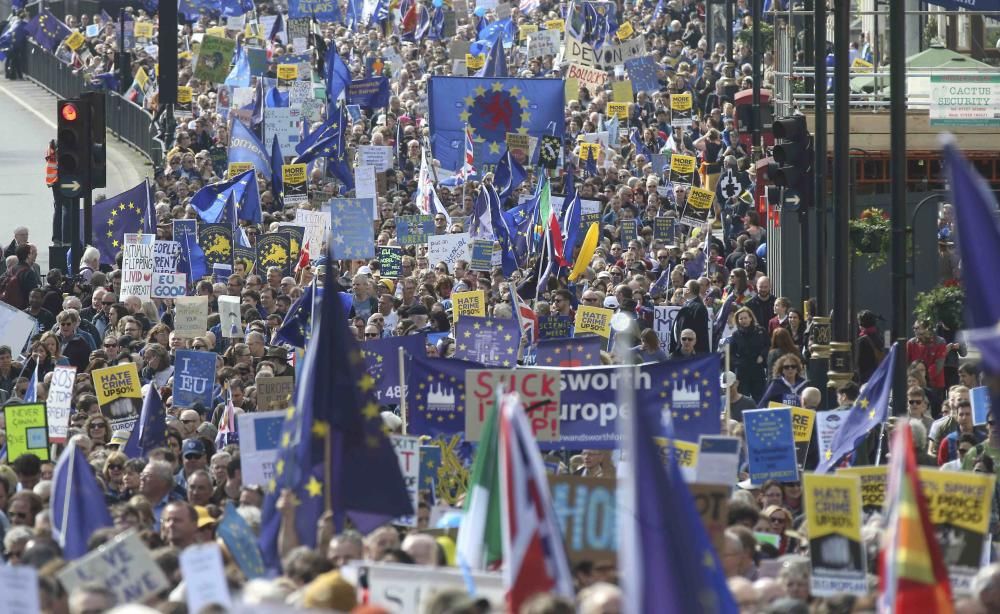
293	173
518	142
472	303
700	198
595	320
625	31
618	109
184	94
235	168
74	40
859	65
27	431
474	62
218	31
832	505
957	498
525	30
288	72
119	393
685	452
555	24
621	91
681	102
572	87
873	484
802	421
143	29
683	165
590	151
141	77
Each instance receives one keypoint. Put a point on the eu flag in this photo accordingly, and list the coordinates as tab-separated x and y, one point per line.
869	410
115	217
150	431
297	325
435	395
666	562
47	30
496	62
491	108
244	146
336	74
241	543
277	161
78	507
334	454
382	362
578	352
210	201
572	210
508	176
491	341
519	221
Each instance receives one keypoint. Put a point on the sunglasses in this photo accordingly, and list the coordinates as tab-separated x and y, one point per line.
116	467
110	345
914	401
790	368
687	339
371	335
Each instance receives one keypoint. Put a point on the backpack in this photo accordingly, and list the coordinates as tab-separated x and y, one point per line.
878	350
11	291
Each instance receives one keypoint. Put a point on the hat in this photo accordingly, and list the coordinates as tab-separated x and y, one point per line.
207	430
611	302
390	286
365	270
770	509
748	484
604	275
276	352
192	446
727	379
204	518
119	438
417	310
330	591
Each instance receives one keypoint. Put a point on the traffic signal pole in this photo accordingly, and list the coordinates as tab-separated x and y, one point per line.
819	163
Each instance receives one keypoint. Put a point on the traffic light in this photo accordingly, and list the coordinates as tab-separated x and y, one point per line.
73	146
793	158
98	139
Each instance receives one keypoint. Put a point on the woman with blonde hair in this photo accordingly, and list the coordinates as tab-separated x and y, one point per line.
113	472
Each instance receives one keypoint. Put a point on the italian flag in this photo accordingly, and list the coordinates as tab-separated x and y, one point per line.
480	540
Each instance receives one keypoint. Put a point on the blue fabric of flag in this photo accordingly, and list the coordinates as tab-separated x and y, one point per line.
435	394
320	11
47	30
570	223
382	360
277	181
371	93
275	99
295	329
241	542
210	201
117	216
643	74
244	146
352	228
508	176
496	62
491	341
573	352
869	411
192	256
150	432
336	74
491	108
78	507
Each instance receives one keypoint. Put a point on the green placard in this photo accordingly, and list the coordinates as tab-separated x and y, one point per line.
27	431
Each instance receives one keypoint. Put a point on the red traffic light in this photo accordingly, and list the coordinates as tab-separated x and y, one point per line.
68	112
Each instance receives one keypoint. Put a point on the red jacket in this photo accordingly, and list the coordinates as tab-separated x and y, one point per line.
932	355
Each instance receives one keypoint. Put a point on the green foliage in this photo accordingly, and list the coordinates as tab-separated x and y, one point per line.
766	36
942	304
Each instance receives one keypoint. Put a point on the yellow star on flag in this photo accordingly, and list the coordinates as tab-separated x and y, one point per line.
366	383
279	467
320	428
370	411
314	487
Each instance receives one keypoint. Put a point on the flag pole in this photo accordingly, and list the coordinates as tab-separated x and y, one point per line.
68	495
729	411
402	388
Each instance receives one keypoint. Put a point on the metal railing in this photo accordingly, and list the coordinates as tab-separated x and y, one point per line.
125	119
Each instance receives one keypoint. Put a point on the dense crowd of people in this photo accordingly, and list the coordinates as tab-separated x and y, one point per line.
175	496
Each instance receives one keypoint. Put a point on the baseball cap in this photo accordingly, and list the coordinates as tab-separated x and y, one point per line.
365	270
727	379
119	438
611	302
192	446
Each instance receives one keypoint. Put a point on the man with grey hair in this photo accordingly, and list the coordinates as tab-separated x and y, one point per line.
694	316
346	547
75	347
986	587
156	483
15	542
92	597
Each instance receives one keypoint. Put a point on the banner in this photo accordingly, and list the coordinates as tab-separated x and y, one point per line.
585	510
596	320
194	379
471	303
275	393
59	403
491	341
770	445
538	389
190	316
137	266
874	482
407	450
260	441
382	363
959	506
122	565
119	393
27	431
832	505
371	93
609	56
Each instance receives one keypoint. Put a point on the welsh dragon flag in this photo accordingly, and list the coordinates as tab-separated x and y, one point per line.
480	542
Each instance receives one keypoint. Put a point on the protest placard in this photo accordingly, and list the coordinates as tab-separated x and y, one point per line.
407	450
260	441
293	181
137	266
770	445
832	505
414	229
275	392
474	63
874	481
585	510
827	424
282	122
482	255
543	43
448	249
166	256
27	431
237	168
471	303
491	341
390	261
680	109
980	398
16	327
712	503
401	591
229	316
190	316
802	420
317	225
665	229
287	73
591	78
143	30
595	320
351	220
698	208
60	402
685	453
204	577
379	156
618	109
718	459
538	389
629	230
214	58
681	169
123	565
185	96
119	394
19	587
168	285
366	184
555	327
194	378
74	40
959	507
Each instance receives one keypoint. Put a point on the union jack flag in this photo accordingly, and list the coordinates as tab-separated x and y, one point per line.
527	319
527	6
533	552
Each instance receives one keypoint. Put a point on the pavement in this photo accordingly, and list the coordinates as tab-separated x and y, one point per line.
27	124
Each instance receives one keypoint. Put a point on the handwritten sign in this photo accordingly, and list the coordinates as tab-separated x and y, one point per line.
60	402
169	285
137	266
591	78
390	261
166	256
539	390
27	431
190	316
123	565
585	510
194	376
407	450
204	577
448	249
275	393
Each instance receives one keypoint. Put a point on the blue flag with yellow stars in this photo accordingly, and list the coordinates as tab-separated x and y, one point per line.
295	329
491	341
430	464
519	223
210	201
644	74
869	411
578	352
115	217
352	228
47	30
241	542
491	108
382	360
334	453
435	395
244	146
666	560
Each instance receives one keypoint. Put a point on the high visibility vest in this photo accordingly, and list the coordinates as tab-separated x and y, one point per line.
51	170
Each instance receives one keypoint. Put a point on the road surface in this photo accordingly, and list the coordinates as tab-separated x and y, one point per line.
28	123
